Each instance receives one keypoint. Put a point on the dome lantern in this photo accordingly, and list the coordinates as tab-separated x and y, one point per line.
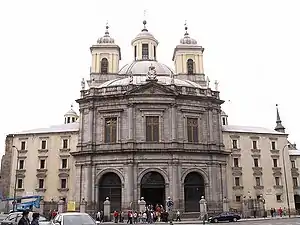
71	116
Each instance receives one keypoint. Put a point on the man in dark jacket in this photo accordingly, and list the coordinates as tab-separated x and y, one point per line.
24	220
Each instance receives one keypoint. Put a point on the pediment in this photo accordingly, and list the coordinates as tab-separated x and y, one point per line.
151	88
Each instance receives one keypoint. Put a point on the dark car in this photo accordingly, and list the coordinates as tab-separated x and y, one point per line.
226	216
14	217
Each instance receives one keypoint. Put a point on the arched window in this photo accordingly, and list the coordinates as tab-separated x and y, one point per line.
104	66
190	66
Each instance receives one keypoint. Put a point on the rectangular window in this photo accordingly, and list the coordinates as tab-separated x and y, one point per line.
255	161
293	164
257	181
135	53
65	143
277	181
20	183
237	181
236	162
41	183
63	183
237	198
145	51
21	164
23	145
295	182
73	119
234	144
192	130
273	145
111	130
69	120
154	52
278	197
64	163
43	145
42	164
254	144
152	128
275	163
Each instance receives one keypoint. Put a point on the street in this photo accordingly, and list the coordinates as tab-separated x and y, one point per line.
292	221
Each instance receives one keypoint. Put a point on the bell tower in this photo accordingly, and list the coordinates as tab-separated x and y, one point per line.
105	55
188	59
144	45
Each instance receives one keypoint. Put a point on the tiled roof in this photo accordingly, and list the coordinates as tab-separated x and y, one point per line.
248	129
71	127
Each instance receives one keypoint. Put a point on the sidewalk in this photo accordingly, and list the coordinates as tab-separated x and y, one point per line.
195	221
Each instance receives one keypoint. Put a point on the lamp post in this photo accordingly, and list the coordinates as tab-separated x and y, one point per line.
16	179
285	180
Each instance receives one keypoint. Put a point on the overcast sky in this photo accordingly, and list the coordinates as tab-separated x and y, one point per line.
252	47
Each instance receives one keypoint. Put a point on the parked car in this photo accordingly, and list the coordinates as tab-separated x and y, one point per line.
225	216
73	218
14	217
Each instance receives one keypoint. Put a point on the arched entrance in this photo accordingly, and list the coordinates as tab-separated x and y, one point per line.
153	188
297	202
194	188
110	186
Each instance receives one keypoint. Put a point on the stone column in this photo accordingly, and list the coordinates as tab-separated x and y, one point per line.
142	205
130	121
129	185
106	210
175	184
83	204
91	125
173	114
203	208
60	206
42	204
225	205
89	184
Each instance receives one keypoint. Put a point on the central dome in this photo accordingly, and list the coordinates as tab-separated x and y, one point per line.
142	68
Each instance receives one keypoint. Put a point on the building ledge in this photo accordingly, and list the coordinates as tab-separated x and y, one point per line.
276	169
238	187
42	150
278	186
62	189
64	170
65	150
24	151
294	169
274	151
256	151
20	189
258	187
256	168
40	189
235	150
41	170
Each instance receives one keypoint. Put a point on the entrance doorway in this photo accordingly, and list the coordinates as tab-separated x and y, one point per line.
194	188
110	186
297	202
153	189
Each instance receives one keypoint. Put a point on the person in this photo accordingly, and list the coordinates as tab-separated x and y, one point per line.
24	220
35	218
178	216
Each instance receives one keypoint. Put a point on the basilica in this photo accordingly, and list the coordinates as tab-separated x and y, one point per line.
146	130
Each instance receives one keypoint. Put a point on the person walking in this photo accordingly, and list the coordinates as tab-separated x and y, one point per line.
24	220
35	218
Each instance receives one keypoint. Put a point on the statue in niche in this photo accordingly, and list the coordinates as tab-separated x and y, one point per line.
82	84
152	72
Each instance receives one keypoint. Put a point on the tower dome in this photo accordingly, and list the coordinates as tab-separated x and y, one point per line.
106	39
187	40
71	116
144	45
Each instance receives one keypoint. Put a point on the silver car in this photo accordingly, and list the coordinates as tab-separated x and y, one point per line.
14	217
73	218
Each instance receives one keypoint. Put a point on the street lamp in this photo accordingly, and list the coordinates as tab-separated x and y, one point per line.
16	179
285	180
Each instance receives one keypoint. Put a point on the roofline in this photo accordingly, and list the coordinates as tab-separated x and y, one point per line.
35	133
187	47
246	132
